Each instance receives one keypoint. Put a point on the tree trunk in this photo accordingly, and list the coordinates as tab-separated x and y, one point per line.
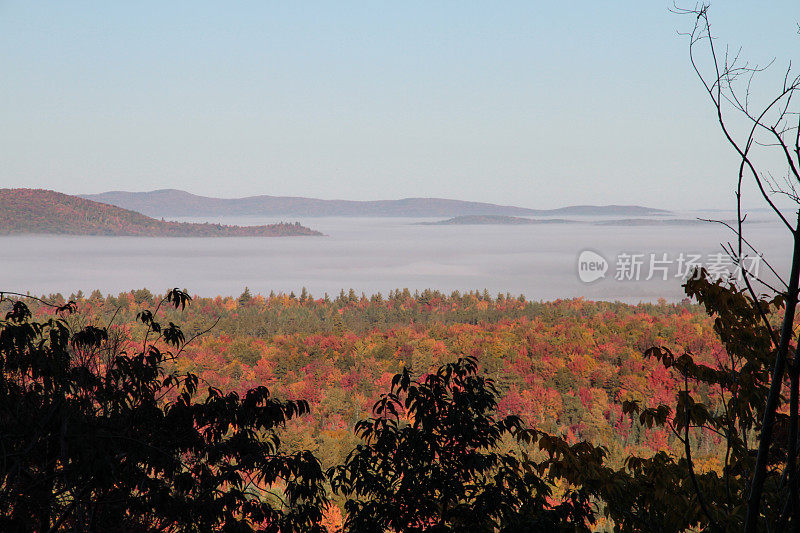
791	462
765	440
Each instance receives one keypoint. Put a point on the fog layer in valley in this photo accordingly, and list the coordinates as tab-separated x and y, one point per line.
379	254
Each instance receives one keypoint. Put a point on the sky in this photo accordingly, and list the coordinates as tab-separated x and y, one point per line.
519	102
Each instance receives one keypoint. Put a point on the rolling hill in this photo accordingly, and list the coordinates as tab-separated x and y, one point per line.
31	211
176	203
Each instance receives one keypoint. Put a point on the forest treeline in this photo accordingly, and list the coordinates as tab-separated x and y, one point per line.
565	366
571	369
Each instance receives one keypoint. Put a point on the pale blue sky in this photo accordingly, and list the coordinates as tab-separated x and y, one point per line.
528	103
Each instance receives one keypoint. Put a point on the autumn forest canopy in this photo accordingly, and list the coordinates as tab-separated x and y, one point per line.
347	405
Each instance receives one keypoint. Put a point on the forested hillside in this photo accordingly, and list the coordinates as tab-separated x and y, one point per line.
324	414
565	366
24	211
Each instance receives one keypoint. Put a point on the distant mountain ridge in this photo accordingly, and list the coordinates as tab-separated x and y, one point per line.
177	203
494	220
32	211
500	220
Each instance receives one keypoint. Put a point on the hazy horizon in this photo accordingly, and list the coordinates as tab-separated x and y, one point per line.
223	197
724	206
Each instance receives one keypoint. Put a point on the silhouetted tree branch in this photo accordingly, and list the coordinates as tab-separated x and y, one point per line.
728	82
